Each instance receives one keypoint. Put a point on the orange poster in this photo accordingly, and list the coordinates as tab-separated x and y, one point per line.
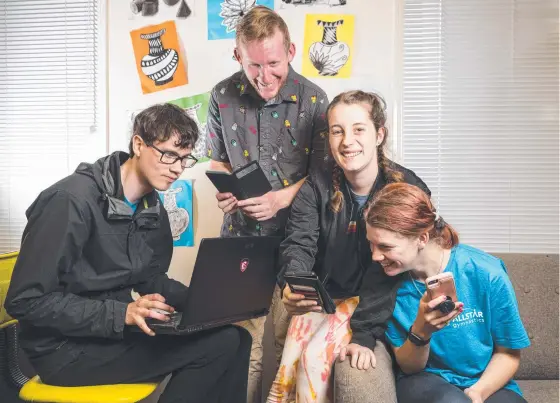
158	57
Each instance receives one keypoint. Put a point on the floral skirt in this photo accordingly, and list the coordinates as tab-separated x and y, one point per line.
312	344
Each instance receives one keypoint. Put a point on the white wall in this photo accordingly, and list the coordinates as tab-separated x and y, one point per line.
374	68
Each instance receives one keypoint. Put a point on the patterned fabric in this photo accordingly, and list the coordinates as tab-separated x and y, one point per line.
312	345
287	136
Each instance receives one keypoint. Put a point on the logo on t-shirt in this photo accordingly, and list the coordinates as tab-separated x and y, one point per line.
468	317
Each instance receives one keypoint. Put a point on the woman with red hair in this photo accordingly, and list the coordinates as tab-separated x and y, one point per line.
468	353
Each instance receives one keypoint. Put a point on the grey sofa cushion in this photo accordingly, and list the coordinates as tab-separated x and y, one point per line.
535	279
545	391
376	385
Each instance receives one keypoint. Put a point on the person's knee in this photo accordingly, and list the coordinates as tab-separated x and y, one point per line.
448	396
427	387
255	327
227	341
238	337
245	338
312	352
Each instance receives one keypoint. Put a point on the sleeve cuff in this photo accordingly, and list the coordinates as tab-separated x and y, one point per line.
119	316
364	340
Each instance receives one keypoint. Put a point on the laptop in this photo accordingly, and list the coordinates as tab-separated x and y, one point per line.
233	280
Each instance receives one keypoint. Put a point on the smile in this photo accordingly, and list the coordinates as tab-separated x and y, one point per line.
351	154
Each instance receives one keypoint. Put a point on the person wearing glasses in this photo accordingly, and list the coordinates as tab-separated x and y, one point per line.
91	239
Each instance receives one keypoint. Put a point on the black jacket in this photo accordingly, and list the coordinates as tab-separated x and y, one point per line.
313	232
82	252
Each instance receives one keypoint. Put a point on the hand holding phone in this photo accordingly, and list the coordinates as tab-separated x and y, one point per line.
442	284
311	288
438	306
299	304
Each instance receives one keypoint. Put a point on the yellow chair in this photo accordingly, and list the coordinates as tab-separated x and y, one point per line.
7	262
33	390
9	367
36	391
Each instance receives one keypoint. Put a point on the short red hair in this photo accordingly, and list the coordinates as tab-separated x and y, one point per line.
408	211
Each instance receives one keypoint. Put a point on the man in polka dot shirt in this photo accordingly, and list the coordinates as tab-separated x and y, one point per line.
269	113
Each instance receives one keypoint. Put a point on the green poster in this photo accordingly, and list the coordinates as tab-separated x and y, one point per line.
197	108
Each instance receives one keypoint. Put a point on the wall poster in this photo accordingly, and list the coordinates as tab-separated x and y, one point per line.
197	108
159	61
223	15
178	202
328	45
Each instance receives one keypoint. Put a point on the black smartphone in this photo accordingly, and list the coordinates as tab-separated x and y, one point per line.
309	285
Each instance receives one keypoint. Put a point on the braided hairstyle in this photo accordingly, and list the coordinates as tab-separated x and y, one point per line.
376	107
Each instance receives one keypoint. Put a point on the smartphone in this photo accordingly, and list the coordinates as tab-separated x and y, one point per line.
307	291
443	284
309	285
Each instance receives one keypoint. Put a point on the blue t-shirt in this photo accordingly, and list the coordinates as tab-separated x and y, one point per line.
359	199
461	351
133	206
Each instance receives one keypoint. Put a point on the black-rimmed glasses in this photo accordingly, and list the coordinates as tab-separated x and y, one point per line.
169	158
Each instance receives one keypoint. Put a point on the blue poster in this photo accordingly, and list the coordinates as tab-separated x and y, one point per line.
223	15
178	201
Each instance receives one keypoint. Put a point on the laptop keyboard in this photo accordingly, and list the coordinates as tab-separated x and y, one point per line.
174	320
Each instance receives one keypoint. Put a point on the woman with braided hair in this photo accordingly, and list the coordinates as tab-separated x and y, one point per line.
326	234
467	353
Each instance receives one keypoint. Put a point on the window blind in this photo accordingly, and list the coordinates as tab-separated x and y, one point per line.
480	117
50	112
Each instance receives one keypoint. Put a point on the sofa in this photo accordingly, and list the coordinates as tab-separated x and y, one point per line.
535	279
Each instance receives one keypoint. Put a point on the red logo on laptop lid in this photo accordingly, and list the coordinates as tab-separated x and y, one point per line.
243	265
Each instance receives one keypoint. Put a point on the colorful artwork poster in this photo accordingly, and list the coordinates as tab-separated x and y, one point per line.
223	15
332	3
159	61
328	45
178	202
197	108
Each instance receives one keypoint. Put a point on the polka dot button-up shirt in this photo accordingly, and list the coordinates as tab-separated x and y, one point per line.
286	135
